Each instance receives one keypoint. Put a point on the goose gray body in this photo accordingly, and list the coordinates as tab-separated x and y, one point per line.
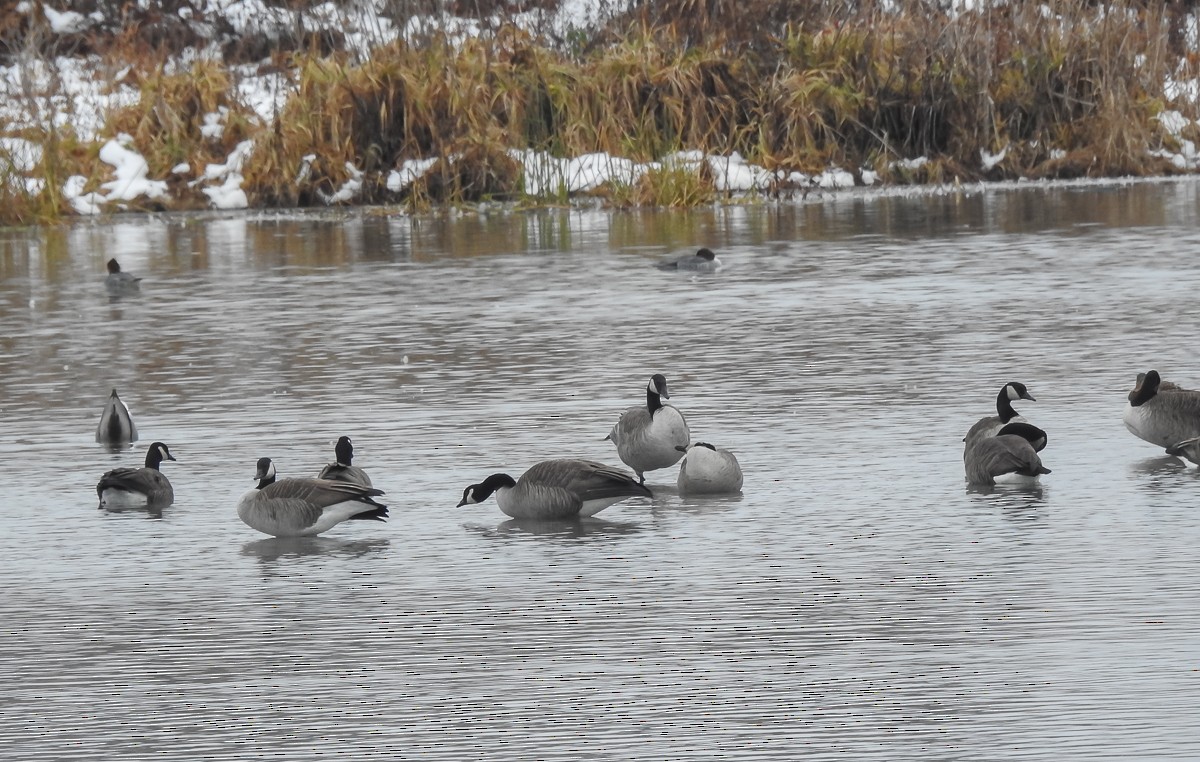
1161	412
557	489
648	437
118	281
342	470
703	260
116	425
1010	455
301	507
707	469
138	487
990	425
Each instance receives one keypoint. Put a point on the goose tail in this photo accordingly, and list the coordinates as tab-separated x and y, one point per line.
378	514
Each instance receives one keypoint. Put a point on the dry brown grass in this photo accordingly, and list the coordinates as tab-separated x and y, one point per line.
1068	88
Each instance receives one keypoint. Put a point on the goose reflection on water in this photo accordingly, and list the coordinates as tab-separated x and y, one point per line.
1165	474
577	528
1009	496
275	548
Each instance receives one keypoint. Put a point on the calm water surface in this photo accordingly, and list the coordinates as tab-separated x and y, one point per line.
858	601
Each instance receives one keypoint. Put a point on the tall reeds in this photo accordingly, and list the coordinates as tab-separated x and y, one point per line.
1062	88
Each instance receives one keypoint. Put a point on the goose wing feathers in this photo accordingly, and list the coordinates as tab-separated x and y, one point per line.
318	493
989	457
145	480
352	474
585	479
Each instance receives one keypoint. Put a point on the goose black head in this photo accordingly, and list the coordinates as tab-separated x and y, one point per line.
706	254
265	472
1147	387
344	450
157	453
658	385
477	493
114	267
1015	390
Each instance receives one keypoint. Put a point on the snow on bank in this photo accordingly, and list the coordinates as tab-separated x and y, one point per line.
78	93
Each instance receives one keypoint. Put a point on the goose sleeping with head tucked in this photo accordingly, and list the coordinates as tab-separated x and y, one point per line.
557	489
989	425
1009	456
116	425
707	469
302	507
341	469
648	436
144	487
1162	413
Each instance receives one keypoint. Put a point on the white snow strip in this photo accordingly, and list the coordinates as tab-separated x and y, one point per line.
408	173
131	170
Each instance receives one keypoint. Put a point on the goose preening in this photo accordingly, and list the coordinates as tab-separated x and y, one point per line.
341	469
119	281
300	507
116	425
648	436
989	425
1009	456
144	487
1161	412
707	469
703	260
557	489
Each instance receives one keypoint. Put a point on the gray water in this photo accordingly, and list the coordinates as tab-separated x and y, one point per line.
858	601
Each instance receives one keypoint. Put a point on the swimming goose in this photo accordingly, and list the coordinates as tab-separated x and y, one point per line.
557	489
341	470
138	487
299	507
703	260
647	437
116	425
118	281
1161	412
989	425
1009	456
708	470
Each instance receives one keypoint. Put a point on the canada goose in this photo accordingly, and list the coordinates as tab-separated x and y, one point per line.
341	470
1011	455
299	507
1161	412
119	281
703	260
708	470
557	489
989	425
138	487
647	437
116	425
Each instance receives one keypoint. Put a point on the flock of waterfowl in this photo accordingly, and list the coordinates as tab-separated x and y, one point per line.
1000	448
648	437
1005	447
